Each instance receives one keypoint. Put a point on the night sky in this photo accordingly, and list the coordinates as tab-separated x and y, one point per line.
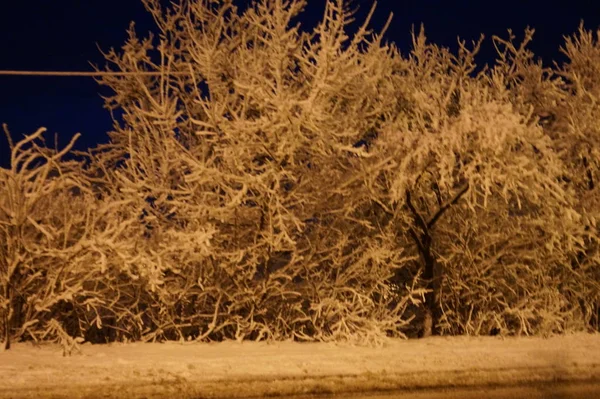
64	35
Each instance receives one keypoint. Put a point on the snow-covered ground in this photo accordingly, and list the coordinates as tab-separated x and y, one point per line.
232	369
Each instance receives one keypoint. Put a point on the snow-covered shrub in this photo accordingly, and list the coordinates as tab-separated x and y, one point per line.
44	210
249	163
578	142
564	101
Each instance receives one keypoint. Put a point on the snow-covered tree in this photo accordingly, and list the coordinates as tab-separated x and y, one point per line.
478	189
44	210
258	135
580	145
563	100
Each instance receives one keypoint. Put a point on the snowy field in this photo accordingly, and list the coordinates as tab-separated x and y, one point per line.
232	369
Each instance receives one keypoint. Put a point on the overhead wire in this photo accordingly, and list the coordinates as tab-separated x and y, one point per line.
86	73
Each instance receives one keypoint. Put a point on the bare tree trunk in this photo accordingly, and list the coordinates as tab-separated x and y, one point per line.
6	321
424	240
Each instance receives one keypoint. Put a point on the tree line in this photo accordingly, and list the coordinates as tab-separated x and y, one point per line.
276	183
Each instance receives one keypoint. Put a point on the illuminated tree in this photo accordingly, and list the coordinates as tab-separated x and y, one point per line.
563	101
43	228
258	135
478	190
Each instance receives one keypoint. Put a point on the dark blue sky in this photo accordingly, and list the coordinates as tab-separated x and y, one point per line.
64	34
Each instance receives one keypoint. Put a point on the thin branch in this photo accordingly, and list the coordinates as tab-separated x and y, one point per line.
415	237
417	216
443	209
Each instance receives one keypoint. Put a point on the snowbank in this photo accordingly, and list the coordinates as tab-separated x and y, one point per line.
232	369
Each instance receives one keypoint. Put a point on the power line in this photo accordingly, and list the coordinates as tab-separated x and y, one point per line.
87	73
